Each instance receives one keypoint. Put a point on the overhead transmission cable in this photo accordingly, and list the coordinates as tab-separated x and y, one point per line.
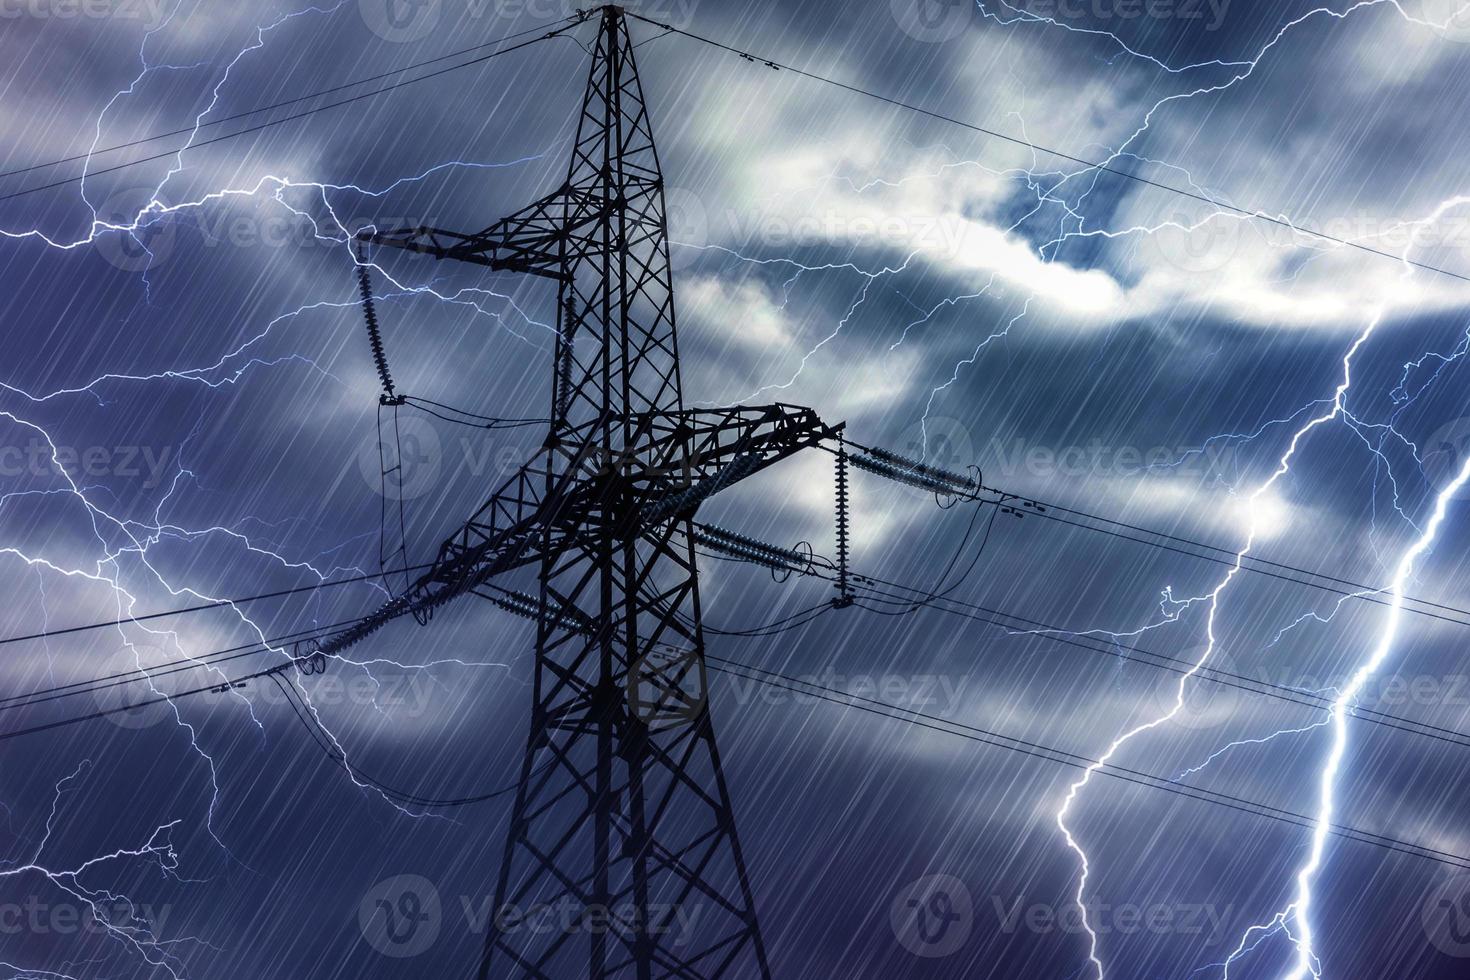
1346	588
1061	757
895	712
334	754
1021	626
276	105
47	634
1059	154
94	685
192	692
913	599
294	116
969	732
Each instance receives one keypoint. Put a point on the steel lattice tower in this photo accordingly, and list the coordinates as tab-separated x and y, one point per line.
622	808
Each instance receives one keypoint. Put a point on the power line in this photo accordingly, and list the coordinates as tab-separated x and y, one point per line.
91	685
802	618
139	705
972	733
94	685
1226	551
910	716
1060	154
1256	559
221	603
1070	759
285	119
1174	665
275	105
921	599
1359	595
1248	563
315	729
470	419
216	604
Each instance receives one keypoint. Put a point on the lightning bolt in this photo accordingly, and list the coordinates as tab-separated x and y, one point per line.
132	931
1050	188
1300	910
1071	191
124	543
1264	740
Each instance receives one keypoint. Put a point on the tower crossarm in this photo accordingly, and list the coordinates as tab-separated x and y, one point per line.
685	458
513	529
531	240
693	454
772	431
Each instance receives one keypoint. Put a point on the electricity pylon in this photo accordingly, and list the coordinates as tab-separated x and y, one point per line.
622	810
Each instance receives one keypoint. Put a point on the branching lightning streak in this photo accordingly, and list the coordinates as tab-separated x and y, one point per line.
1302	934
1021	15
1300	910
1238	743
1299	929
1213	599
132	931
1336	410
141	536
120	537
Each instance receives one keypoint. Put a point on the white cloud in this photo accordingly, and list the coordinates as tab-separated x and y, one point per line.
834	172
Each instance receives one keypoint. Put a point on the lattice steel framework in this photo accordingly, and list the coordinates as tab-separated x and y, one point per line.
622	809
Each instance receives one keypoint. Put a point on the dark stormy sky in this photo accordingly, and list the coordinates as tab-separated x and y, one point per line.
189	412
